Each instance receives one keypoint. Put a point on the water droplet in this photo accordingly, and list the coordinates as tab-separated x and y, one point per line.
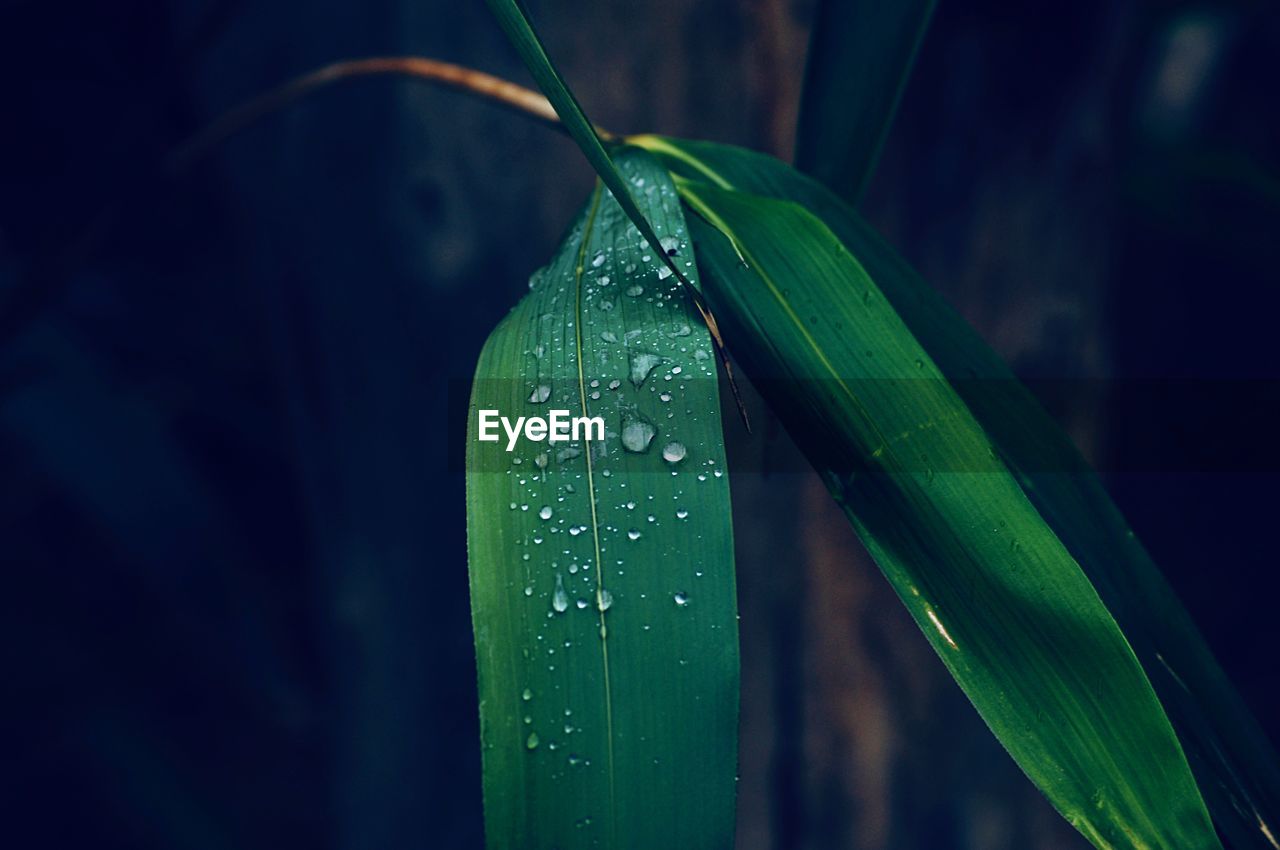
635	290
682	599
634	534
559	599
527	695
540	394
609	336
637	433
597	261
532	741
604	280
642	364
614	384
673	452
919	364
682	330
604	599
670	245
606	306
682	514
664	272
545	513
567	453
541	462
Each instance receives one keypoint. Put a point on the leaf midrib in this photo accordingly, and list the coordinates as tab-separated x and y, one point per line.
587	229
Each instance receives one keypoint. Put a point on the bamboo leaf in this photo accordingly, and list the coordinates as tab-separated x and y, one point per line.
1234	763
997	593
860	57
602	573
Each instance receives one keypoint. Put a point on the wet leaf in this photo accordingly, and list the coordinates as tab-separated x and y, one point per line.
602	572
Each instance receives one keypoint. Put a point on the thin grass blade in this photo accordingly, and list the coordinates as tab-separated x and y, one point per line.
860	57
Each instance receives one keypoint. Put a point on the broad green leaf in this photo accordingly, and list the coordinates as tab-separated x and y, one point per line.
1231	757
860	57
602	574
997	593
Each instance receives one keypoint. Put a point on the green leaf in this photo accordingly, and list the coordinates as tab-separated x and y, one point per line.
1231	757
615	727
860	57
1001	599
515	22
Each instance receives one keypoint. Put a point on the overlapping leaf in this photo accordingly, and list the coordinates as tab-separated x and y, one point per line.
1235	765
602	573
997	593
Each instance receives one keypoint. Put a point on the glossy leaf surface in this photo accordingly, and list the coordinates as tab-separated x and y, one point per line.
602	573
994	589
1234	763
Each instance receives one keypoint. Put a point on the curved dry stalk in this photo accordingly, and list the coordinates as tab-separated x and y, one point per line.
486	86
26	300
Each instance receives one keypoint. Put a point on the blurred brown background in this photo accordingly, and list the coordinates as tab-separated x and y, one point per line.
239	610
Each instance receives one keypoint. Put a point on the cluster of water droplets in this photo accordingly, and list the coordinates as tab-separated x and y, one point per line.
645	365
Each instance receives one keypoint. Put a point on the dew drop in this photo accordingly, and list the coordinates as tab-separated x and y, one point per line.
540	394
670	245
682	599
527	695
635	290
634	534
559	599
637	433
642	364
604	599
609	336
663	272
682	514
674	452
531	742
597	261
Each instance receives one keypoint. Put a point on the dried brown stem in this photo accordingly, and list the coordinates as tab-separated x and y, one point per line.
500	91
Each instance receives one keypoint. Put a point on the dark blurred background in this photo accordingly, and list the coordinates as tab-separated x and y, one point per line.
235	612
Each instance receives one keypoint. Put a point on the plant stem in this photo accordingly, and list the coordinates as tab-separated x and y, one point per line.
47	279
486	86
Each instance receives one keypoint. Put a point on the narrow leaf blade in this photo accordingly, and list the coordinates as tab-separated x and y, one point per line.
860	57
602	575
1235	765
994	589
